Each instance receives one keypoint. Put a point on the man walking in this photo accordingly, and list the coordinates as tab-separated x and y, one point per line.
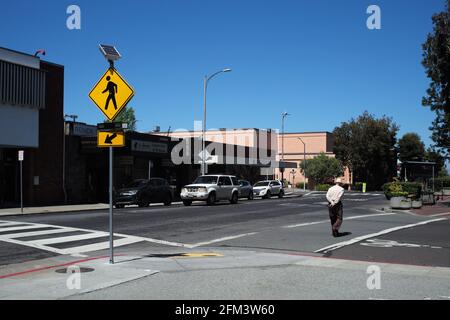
335	207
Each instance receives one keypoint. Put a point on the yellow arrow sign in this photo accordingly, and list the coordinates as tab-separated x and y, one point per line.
111	94
110	139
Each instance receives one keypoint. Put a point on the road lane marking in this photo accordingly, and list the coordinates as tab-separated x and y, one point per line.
440	214
71	238
222	239
99	246
37	233
305	224
346	218
36	226
373	235
294	205
164	242
5	224
381	243
44	244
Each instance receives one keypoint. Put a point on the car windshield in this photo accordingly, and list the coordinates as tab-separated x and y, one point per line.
136	184
262	184
206	179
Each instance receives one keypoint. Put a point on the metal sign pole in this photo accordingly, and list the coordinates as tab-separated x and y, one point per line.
111	221
20	158
21	188
121	92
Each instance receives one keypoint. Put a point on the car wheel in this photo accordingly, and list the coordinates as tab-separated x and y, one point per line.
211	199
119	206
281	194
234	198
250	195
187	203
268	195
168	200
143	203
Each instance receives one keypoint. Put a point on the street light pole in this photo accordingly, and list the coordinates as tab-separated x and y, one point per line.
283	116
205	90
304	163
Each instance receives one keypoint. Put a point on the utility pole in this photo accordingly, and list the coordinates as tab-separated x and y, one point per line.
304	163
283	116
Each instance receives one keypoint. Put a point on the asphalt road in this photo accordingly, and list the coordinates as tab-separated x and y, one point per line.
289	225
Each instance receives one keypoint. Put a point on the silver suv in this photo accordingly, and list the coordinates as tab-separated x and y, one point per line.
211	188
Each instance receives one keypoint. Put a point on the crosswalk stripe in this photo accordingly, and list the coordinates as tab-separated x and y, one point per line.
45	244
71	238
100	246
21	228
36	233
7	223
32	245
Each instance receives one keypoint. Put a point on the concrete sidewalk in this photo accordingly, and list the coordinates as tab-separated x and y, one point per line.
440	208
218	274
54	209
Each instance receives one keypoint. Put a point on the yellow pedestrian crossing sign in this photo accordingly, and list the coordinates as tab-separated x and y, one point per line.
111	93
110	139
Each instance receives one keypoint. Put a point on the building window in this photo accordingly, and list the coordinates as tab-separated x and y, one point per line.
22	86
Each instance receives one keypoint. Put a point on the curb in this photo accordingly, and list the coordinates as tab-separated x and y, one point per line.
8	214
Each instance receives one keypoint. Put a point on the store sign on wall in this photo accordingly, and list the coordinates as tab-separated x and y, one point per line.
148	146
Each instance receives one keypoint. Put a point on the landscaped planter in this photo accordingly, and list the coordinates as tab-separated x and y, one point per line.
396	202
405	204
416	204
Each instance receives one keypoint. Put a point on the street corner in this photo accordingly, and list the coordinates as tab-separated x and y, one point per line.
63	277
441	208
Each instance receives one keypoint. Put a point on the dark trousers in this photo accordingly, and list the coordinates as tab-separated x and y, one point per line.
336	215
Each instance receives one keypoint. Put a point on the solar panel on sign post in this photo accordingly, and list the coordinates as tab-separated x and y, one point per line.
110	52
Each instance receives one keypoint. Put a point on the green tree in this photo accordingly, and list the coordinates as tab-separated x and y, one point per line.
127	116
322	168
411	147
436	60
434	155
366	146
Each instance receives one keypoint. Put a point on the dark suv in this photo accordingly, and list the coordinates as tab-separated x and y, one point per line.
143	192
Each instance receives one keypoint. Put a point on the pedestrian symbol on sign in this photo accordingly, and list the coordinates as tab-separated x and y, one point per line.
112	89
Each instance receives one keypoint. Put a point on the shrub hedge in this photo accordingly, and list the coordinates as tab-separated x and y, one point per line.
402	189
299	185
441	183
323	187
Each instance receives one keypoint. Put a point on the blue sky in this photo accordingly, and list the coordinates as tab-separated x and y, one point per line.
315	59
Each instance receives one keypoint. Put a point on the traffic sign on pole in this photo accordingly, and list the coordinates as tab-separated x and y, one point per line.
110	139
111	94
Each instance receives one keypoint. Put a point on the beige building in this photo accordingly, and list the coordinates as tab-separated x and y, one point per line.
303	145
290	146
264	138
